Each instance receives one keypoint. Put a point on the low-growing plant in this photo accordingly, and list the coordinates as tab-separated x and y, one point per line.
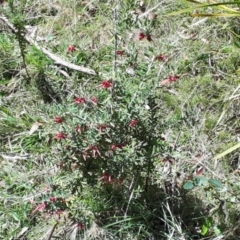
109	153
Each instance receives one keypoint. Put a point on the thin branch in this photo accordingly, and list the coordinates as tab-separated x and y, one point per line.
115	40
115	50
52	231
55	58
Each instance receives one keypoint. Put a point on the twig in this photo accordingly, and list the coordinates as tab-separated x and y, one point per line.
52	231
115	50
55	58
14	156
115	41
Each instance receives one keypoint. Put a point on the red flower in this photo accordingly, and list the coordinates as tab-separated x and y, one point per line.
80	226
106	84
167	160
116	146
58	199
95	151
173	78
119	53
78	129
106	178
58	119
121	146
71	48
199	171
60	136
52	199
85	156
133	122
102	127
80	100
169	80
40	208
160	58
94	100
141	36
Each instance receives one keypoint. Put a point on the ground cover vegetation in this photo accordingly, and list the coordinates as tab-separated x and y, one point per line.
119	120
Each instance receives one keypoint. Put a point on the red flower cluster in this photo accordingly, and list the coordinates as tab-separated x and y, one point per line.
133	122
199	171
116	146
52	199
85	156
60	136
58	119
58	199
119	53
71	48
173	78
78	129
170	79
102	127
40	208
80	226
160	58
167	160
142	35
80	100
106	178
106	84
94	100
94	150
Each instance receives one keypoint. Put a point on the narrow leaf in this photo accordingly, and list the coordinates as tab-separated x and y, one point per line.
215	15
202	5
227	152
215	183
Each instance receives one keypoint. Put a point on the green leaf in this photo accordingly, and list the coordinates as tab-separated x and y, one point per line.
15	216
215	183
215	15
204	230
216	230
206	226
188	185
200	180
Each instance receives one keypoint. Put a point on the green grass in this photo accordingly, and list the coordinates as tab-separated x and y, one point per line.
121	167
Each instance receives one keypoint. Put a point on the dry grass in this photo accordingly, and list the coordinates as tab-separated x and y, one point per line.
198	115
